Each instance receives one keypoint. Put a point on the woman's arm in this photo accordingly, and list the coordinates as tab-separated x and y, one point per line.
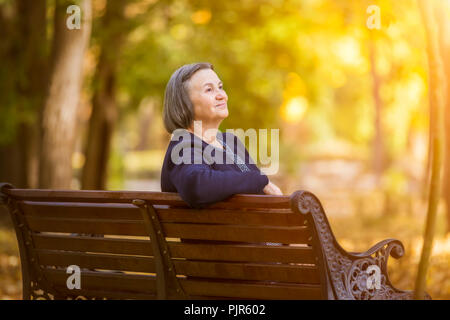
199	184
270	188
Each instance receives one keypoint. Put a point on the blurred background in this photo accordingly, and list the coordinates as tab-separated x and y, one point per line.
82	108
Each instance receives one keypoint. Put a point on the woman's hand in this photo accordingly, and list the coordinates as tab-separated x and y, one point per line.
272	189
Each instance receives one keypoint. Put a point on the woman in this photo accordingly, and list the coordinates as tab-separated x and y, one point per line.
195	95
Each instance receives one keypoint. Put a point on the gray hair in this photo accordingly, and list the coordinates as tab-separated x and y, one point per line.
178	110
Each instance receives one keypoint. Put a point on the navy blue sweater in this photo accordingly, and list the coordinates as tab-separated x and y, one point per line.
201	179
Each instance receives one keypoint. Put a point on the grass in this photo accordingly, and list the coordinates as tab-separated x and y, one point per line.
10	276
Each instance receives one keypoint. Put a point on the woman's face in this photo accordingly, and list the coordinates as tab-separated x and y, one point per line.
208	97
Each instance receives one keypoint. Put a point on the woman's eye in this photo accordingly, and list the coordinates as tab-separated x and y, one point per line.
208	90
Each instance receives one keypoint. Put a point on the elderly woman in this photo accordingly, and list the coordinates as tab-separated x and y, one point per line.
195	95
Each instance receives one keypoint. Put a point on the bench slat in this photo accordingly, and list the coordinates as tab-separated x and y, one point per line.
112	227
222	252
96	261
238	233
221	270
70	210
298	235
100	294
81	294
237	252
278	217
249	271
255	290
81	243
80	210
105	280
158	198
198	287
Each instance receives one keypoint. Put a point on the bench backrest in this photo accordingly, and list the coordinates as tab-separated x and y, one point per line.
248	247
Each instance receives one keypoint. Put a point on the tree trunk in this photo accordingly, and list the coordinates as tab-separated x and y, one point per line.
104	105
378	143
23	50
10	170
32	26
427	172
444	31
436	90
63	95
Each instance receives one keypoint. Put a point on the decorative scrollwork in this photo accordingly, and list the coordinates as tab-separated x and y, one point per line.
37	293
348	272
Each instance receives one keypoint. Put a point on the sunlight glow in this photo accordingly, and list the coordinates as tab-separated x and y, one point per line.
201	16
294	110
348	51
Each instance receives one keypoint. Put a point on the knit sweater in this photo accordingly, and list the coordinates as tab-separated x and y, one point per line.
203	174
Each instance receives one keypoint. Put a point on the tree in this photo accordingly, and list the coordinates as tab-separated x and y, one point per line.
104	104
63	95
378	144
444	29
22	85
436	81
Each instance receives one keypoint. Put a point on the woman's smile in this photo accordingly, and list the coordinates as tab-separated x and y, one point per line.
222	105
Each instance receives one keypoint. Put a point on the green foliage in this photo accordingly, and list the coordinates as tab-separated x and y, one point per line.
116	170
257	48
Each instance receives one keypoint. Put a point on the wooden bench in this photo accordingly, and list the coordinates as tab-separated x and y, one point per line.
107	234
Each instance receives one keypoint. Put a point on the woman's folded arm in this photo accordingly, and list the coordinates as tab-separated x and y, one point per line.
199	184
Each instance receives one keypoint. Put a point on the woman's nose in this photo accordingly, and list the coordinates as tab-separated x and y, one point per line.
221	95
